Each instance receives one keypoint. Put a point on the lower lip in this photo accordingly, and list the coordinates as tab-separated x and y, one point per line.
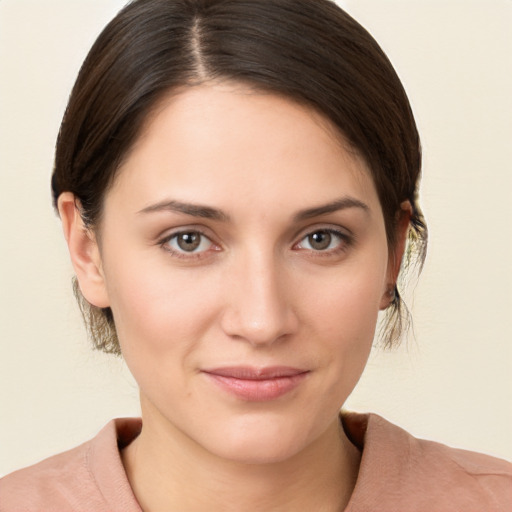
261	390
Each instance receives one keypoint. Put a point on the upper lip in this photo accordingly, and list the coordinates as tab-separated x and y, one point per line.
254	373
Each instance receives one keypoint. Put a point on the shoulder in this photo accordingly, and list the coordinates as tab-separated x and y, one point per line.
52	482
88	477
424	475
478	481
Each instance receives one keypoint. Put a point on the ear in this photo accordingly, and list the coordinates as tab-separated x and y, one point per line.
396	253
84	251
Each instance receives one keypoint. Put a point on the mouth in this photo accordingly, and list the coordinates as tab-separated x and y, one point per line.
257	384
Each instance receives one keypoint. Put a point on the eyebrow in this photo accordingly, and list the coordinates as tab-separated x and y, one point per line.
334	206
194	210
207	212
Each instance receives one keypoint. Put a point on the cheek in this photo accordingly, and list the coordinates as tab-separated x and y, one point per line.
348	302
344	312
157	308
161	319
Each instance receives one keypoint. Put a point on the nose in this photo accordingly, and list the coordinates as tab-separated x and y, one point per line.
259	304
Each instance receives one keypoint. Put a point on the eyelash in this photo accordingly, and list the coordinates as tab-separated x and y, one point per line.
344	242
164	243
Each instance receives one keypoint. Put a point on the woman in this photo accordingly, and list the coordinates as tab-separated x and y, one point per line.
237	200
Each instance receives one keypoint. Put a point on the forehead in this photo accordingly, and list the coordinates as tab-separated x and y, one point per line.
227	143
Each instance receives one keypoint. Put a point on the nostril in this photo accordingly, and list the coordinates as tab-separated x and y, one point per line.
259	326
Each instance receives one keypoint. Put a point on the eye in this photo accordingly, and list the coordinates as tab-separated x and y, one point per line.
323	240
187	242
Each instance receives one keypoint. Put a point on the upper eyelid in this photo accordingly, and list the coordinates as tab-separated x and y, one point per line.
163	243
332	231
172	232
164	240
331	228
346	240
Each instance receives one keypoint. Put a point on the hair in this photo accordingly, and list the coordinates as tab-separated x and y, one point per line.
310	51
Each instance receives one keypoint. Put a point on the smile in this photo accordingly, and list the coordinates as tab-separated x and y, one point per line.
257	384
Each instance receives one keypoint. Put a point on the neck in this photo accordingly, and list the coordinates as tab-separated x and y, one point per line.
169	471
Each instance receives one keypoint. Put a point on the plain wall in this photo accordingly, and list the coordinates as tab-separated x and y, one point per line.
451	382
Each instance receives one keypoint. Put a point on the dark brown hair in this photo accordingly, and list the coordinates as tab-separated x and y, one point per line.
308	50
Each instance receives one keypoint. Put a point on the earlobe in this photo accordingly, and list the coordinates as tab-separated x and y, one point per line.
388	297
84	252
397	252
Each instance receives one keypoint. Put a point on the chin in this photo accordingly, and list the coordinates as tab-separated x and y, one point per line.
258	451
259	441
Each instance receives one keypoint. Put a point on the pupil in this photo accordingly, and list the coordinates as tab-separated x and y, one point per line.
189	241
320	240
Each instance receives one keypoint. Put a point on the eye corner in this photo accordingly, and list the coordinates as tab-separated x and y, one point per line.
329	241
194	244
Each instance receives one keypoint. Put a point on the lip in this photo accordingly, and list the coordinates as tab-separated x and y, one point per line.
257	384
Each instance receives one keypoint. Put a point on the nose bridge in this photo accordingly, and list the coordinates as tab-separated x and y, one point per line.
258	309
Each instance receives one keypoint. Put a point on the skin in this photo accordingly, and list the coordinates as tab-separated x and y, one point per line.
258	291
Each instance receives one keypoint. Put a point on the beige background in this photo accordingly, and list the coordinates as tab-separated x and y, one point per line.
452	383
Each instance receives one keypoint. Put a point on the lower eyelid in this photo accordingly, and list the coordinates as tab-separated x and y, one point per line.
344	238
164	242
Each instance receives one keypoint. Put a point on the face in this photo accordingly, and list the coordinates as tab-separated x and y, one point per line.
243	253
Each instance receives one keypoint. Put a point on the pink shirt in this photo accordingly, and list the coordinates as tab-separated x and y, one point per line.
398	473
